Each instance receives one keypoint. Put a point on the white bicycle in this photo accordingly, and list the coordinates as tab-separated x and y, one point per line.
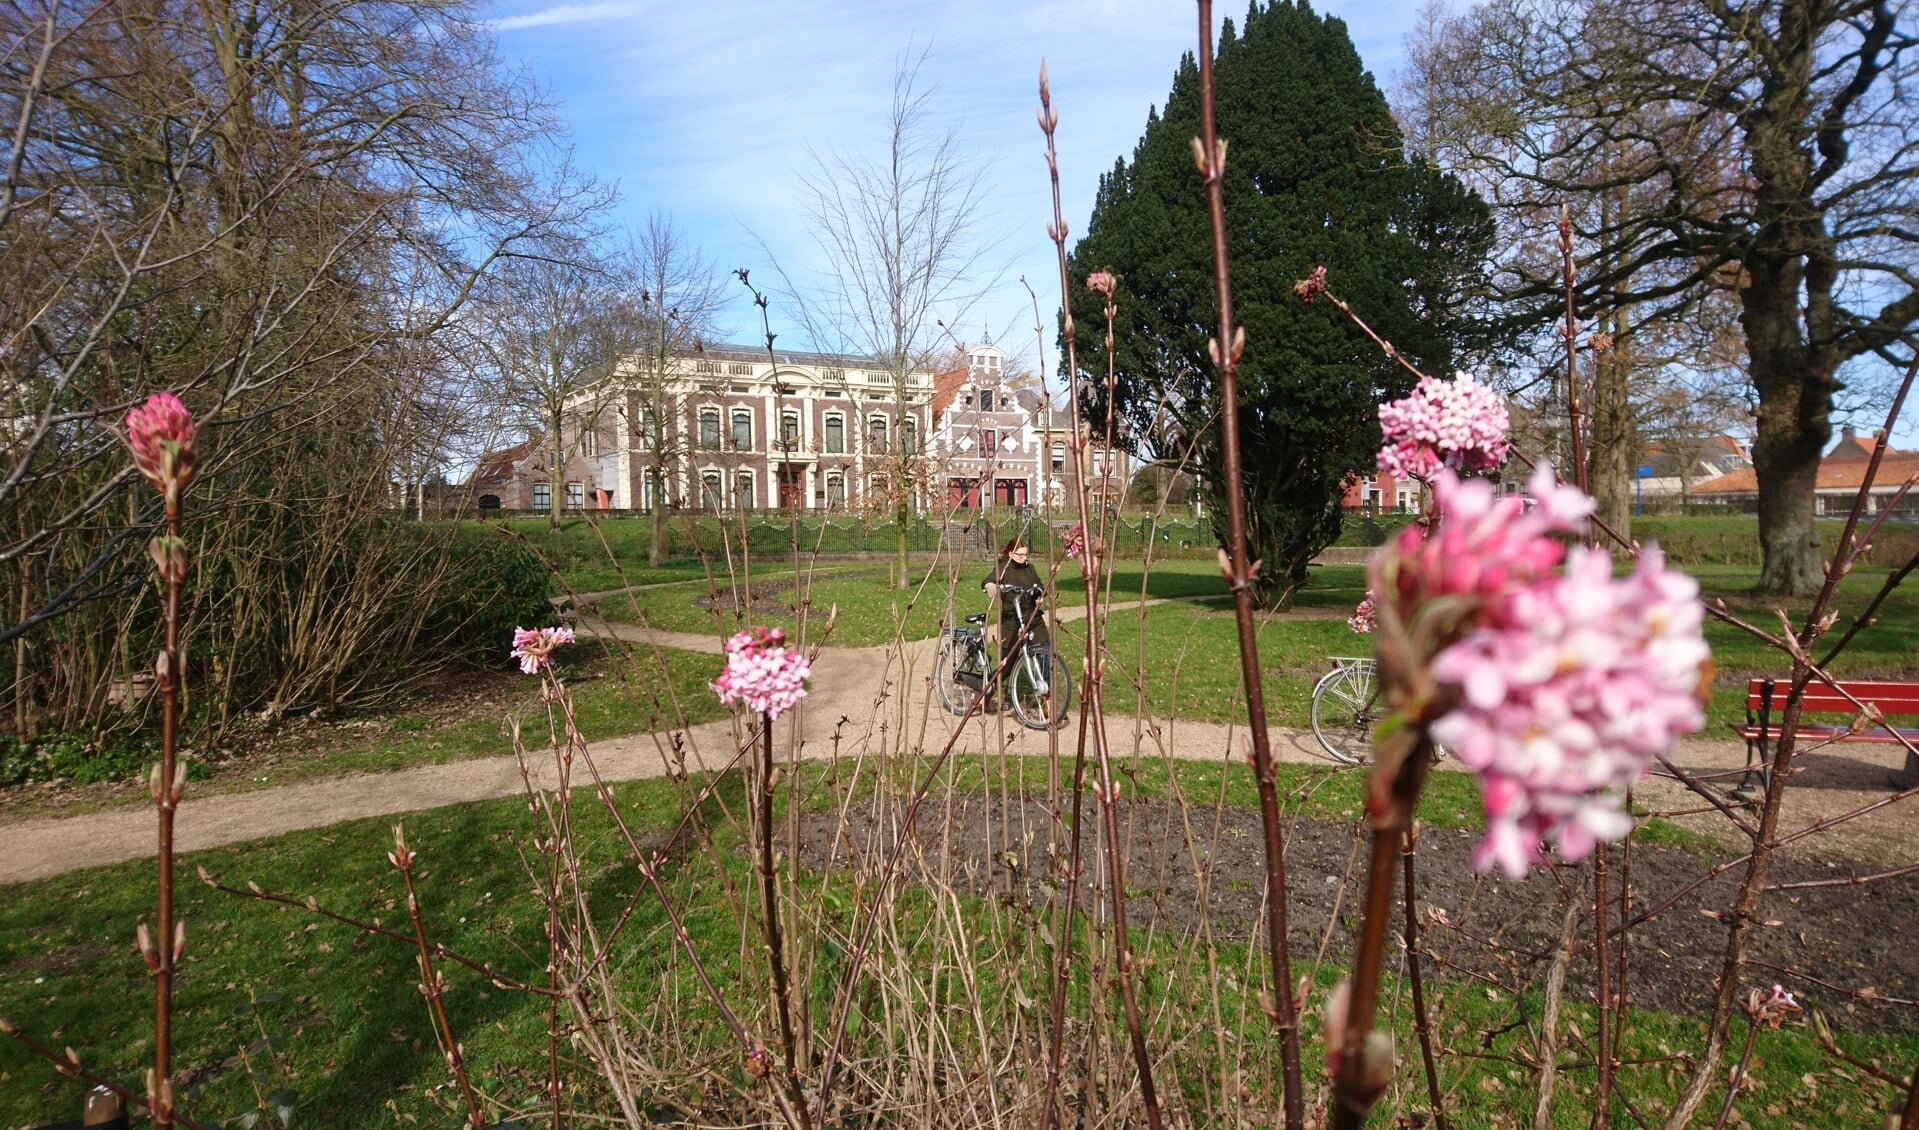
1346	703
1345	706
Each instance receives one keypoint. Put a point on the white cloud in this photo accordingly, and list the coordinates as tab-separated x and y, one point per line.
564	14
710	120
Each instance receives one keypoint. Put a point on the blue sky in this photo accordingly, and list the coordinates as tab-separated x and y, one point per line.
706	113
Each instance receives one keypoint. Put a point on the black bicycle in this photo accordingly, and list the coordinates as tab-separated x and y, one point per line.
1042	691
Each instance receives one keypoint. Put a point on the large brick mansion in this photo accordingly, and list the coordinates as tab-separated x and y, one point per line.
731	428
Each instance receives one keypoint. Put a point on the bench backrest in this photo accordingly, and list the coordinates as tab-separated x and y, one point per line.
1889	697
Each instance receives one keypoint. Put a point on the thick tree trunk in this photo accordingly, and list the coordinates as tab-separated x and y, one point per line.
902	522
1787	463
656	551
1795	385
1610	466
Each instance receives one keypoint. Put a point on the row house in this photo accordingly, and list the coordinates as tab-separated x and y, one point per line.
518	478
1842	472
732	427
994	446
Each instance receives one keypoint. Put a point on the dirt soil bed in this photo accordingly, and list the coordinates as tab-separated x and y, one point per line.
1855	938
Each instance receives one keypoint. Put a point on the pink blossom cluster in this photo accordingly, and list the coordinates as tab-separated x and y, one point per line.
1459	423
1364	615
534	647
1568	683
160	435
1570	686
762	673
1074	539
1482	546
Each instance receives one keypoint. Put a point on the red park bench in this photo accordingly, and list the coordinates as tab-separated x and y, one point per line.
1766	700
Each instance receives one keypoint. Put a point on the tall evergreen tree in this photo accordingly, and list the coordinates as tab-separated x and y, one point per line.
1315	174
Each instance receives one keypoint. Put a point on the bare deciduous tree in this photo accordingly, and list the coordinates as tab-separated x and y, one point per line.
900	235
275	215
1761	148
679	297
559	324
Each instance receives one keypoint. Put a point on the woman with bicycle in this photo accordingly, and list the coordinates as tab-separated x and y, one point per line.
1015	572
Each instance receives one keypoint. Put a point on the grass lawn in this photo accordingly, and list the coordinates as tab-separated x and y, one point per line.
1190	656
871	612
613	695
313	1006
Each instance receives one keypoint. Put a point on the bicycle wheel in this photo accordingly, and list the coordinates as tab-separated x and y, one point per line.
950	676
1343	711
1042	690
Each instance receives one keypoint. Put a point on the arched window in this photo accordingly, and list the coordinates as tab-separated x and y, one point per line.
710	483
835	434
876	435
742	430
910	436
835	492
710	429
790	431
743	497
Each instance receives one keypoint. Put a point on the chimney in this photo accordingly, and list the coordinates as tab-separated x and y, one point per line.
1849	435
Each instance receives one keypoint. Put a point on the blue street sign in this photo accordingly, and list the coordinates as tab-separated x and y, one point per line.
1645	470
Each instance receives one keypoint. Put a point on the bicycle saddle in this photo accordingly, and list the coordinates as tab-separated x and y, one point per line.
979	618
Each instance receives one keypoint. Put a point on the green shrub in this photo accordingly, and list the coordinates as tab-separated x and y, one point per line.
491	586
1733	539
79	758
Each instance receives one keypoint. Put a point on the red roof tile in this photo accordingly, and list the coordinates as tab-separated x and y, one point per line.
1842	473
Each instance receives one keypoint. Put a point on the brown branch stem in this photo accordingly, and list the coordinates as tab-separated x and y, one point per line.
1226	353
1422	1024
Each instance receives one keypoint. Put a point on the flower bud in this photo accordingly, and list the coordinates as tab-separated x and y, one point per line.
169	556
160	434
